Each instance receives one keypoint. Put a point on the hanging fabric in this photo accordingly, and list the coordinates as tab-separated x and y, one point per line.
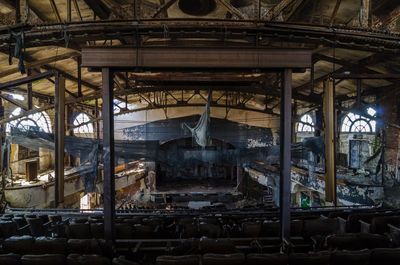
19	50
201	132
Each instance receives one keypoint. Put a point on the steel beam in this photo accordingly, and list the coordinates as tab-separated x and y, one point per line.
366	76
285	154
329	131
59	138
195	58
25	80
108	154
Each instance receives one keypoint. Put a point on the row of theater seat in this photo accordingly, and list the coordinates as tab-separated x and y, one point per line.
43	245
58	259
182	227
362	257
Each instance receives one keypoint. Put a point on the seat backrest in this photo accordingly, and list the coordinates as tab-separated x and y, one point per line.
48	259
320	227
36	226
319	258
123	261
48	245
178	260
270	229
76	259
84	246
123	231
19	244
224	259
359	257
210	230
216	246
379	224
10	259
79	231
270	259
251	229
385	256
8	228
143	231
97	230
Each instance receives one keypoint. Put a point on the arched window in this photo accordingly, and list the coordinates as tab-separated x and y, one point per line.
82	124
119	105
355	123
38	121
305	124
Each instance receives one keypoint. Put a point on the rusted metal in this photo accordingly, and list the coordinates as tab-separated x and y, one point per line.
29	88
365	76
329	131
108	154
59	138
194	58
285	154
25	80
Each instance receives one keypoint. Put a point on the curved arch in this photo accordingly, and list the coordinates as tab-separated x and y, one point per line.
38	121
82	124
355	123
306	124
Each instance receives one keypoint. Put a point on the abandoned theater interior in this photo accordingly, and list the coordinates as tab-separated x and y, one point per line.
188	132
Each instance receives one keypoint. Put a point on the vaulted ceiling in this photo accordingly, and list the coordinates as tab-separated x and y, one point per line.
346	36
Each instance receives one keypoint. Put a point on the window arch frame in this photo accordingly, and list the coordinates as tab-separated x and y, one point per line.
41	120
305	121
80	123
350	120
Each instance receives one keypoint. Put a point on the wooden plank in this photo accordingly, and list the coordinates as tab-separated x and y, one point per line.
195	58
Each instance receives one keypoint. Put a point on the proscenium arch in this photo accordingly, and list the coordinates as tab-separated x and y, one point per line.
129	59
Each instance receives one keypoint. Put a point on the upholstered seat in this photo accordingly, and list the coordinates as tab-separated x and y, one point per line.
84	246
48	259
210	230
251	229
36	226
216	246
224	259
48	245
360	257
79	231
75	259
19	244
10	259
385	256
123	261
124	231
8	228
178	260
320	258
270	259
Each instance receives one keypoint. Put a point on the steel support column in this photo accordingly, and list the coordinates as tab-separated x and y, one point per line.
108	154
79	70
329	131
29	90
285	154
59	138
